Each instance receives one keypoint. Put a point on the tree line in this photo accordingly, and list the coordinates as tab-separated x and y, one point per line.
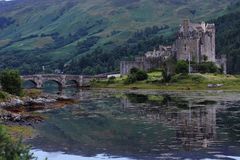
107	59
228	40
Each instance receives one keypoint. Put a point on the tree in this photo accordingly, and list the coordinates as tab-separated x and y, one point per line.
11	150
111	80
169	69
207	67
130	79
11	82
134	70
141	75
166	76
136	75
181	67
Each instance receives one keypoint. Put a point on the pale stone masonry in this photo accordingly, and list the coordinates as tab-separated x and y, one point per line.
194	41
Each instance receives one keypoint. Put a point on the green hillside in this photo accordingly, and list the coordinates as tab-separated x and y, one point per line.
83	36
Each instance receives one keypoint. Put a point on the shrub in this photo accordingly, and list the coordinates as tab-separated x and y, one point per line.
166	77
134	70
136	75
3	95
111	80
197	79
179	77
141	75
11	82
181	67
207	67
130	79
11	150
205	58
168	70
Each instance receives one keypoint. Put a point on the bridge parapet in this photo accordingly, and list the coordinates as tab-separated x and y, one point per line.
40	79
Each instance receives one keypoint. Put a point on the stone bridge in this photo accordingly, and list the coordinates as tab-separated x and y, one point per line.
61	80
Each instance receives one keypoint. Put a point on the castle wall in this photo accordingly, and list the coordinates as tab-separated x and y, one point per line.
145	64
186	46
126	66
208	47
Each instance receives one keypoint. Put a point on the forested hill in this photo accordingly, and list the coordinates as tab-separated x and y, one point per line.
85	36
228	39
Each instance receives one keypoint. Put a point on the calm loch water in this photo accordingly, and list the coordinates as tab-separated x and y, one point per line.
125	125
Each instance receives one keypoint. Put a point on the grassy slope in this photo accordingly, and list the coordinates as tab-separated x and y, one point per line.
37	17
192	82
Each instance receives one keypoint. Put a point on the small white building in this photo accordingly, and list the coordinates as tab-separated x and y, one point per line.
114	75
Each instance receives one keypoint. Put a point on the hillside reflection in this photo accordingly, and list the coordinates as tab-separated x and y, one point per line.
144	126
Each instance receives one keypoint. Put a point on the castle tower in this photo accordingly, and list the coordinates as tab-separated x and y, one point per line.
185	25
195	41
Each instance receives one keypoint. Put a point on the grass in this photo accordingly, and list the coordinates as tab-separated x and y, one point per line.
178	82
17	131
36	18
4	96
33	93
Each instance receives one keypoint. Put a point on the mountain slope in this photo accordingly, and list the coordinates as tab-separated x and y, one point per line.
228	40
58	33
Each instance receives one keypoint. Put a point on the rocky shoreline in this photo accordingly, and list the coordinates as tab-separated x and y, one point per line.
18	110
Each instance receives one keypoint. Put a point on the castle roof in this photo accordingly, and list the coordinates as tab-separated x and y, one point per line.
199	27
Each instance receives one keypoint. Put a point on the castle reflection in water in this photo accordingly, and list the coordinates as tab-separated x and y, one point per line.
194	124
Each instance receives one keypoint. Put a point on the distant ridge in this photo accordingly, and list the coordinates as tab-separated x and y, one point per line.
58	34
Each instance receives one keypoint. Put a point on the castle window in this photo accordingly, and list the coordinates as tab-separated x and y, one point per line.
185	47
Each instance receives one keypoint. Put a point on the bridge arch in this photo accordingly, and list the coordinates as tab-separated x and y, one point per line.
59	84
29	84
61	80
72	83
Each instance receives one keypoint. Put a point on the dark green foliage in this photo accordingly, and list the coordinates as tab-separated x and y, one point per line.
166	76
181	67
68	22
4	22
11	150
111	80
207	67
178	77
136	75
87	44
3	95
228	40
168	70
134	70
11	82
205	58
130	79
197	79
141	75
102	60
137	98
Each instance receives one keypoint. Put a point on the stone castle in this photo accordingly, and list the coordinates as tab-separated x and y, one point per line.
194	42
